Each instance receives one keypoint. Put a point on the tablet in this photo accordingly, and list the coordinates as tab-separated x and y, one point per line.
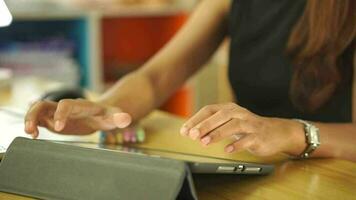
200	164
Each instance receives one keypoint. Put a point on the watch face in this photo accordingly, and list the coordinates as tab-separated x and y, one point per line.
314	135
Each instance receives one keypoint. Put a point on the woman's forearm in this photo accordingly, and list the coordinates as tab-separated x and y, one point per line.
132	94
337	140
145	89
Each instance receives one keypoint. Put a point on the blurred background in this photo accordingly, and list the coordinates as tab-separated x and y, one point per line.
93	43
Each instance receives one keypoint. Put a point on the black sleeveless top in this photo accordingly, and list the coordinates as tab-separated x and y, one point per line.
259	70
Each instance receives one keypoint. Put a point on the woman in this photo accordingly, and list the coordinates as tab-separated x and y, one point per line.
288	59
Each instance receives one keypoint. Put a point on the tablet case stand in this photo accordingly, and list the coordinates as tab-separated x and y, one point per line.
48	170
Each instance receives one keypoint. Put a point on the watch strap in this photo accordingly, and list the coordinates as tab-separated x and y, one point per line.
312	138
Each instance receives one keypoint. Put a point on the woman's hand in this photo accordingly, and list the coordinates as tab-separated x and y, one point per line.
260	135
74	117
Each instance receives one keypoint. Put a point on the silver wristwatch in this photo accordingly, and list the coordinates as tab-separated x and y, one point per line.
311	136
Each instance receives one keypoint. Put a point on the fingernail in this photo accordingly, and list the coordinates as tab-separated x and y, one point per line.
58	125
206	140
194	134
230	149
122	120
27	126
184	131
35	134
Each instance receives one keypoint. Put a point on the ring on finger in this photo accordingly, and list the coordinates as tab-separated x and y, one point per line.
237	136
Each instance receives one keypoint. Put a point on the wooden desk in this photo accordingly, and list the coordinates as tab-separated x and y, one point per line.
292	179
308	179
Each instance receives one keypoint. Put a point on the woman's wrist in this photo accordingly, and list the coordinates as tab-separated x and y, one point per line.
296	142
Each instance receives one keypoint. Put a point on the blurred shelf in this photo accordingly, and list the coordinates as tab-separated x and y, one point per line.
101	32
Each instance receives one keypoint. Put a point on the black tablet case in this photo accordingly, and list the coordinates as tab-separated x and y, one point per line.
48	170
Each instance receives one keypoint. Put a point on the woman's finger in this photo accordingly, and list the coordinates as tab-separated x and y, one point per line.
201	115
75	109
95	116
228	129
63	111
242	143
84	108
34	114
109	121
216	120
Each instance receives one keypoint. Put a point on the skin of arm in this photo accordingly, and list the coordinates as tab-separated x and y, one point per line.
337	140
162	75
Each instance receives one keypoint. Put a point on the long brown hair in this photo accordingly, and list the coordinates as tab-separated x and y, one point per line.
318	45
